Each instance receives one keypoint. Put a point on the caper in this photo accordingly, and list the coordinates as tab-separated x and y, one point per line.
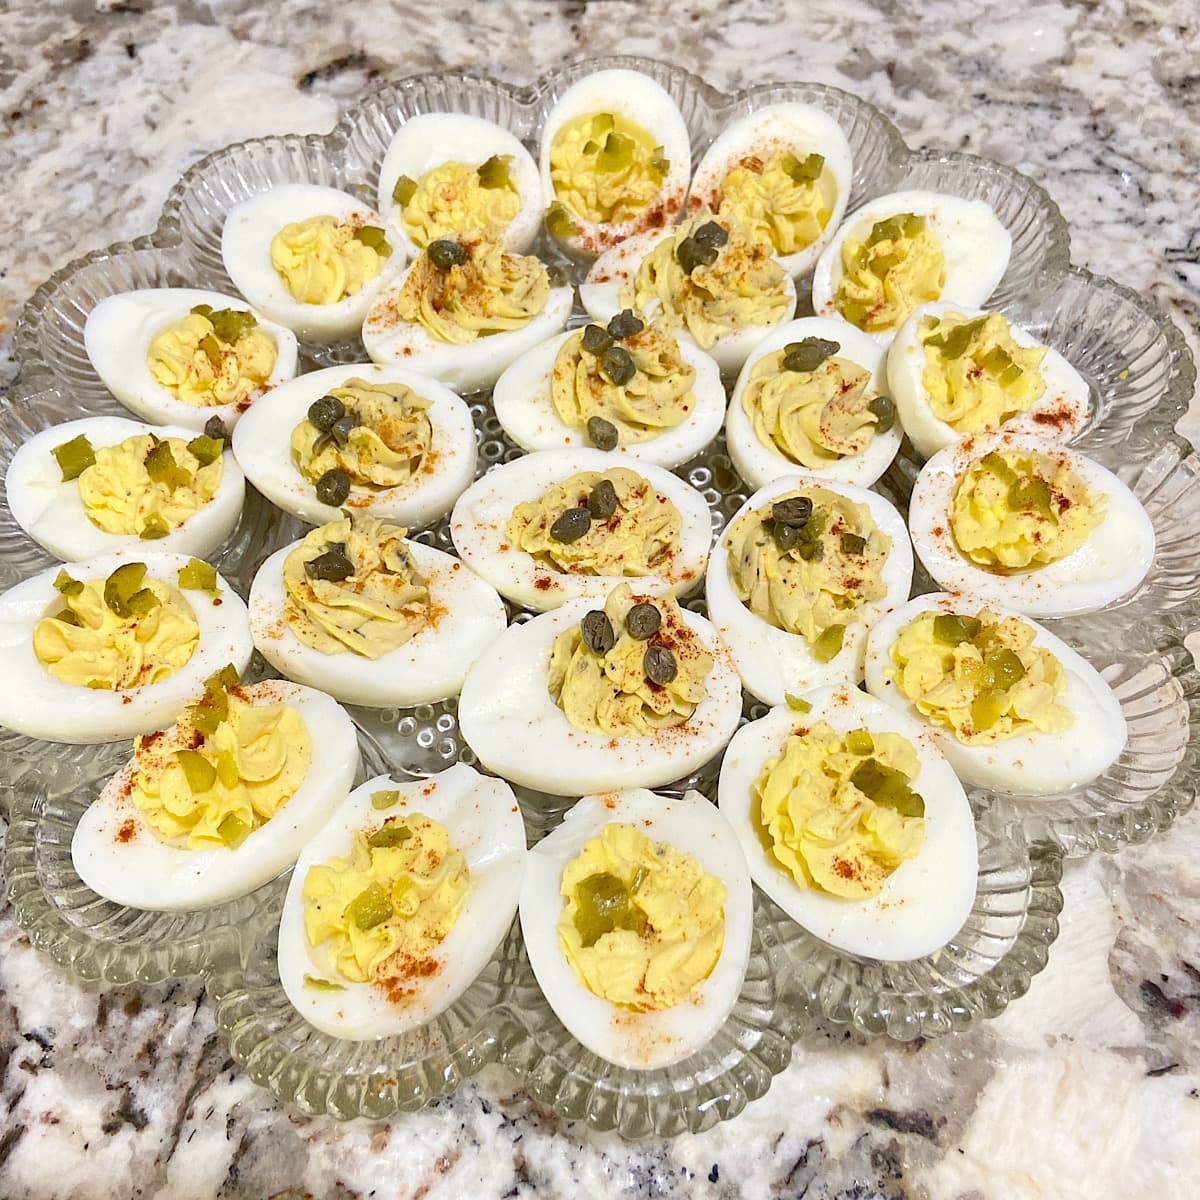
643	621
711	234
333	487
446	253
884	408
333	566
809	354
323	412
595	339
691	254
597	632
214	428
792	510
571	525
601	433
617	364
602	500
853	544
625	324
659	664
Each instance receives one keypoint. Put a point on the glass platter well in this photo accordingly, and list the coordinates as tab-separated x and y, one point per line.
1141	377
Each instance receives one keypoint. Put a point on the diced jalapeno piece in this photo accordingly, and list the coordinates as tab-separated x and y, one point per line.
198	772
952	628
322	985
370	907
860	741
884	410
1030	494
197	576
571	525
373	237
602	500
616	154
446	253
803	170
389	835
604	904
852	543
829	644
123	584
595	339
711	234
74	457
597	632
155	527
1005	668
617	364
403	190
333	487
626	323
797	703
558	221
493	172
986	709
385	799
162	468
602	434
809	354
233	831
66	585
206	450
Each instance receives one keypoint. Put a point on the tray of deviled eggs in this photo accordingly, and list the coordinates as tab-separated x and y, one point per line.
598	577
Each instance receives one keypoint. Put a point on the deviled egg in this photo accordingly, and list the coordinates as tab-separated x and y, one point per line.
637	917
564	524
954	370
615	160
703	278
812	396
634	694
182	356
222	802
102	484
784	173
853	823
464	310
628	386
450	173
383	441
1023	523
794	583
308	256
399	901
905	249
115	645
360	612
1012	707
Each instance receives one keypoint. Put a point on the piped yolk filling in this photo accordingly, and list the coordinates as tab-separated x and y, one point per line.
898	266
456	197
784	201
324	260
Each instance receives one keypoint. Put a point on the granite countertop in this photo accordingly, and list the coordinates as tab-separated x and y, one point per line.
1088	1086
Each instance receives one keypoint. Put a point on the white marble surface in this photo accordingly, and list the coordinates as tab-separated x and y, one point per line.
1090	1085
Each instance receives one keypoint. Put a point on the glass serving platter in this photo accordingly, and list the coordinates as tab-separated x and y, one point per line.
1141	378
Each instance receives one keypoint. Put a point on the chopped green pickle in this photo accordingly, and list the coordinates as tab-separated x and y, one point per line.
604	905
493	172
370	907
1010	375
558	221
154	528
229	324
68	617
122	585
883	263
211	345
227	769
803	170
616	153
233	831
322	985
223	679
385	799
797	703
404	190
954	344
1030	494
197	576
206	449
162	467
951	628
829	644
997	466
660	164
887	787
373	236
860	741
197	770
603	122
389	835
987	708
209	711
1005	668
66	585
996	360
852	543
74	457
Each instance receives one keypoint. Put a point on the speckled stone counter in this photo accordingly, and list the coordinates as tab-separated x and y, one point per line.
1089	1085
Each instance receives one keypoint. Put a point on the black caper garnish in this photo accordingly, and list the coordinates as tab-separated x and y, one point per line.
660	665
571	525
446	253
334	565
343	427
323	412
884	408
595	339
602	500
787	537
597	632
853	544
214	427
691	254
617	364
333	487
625	324
711	234
809	354
793	510
601	433
643	621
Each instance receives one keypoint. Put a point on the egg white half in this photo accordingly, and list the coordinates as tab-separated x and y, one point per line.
523	406
1113	560
485	825
37	704
508	718
246	240
479	527
773	662
927	899
262	444
428	140
117	336
429	667
639	1041
600	295
117	853
802	128
49	509
1030	764
975	244
758	463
